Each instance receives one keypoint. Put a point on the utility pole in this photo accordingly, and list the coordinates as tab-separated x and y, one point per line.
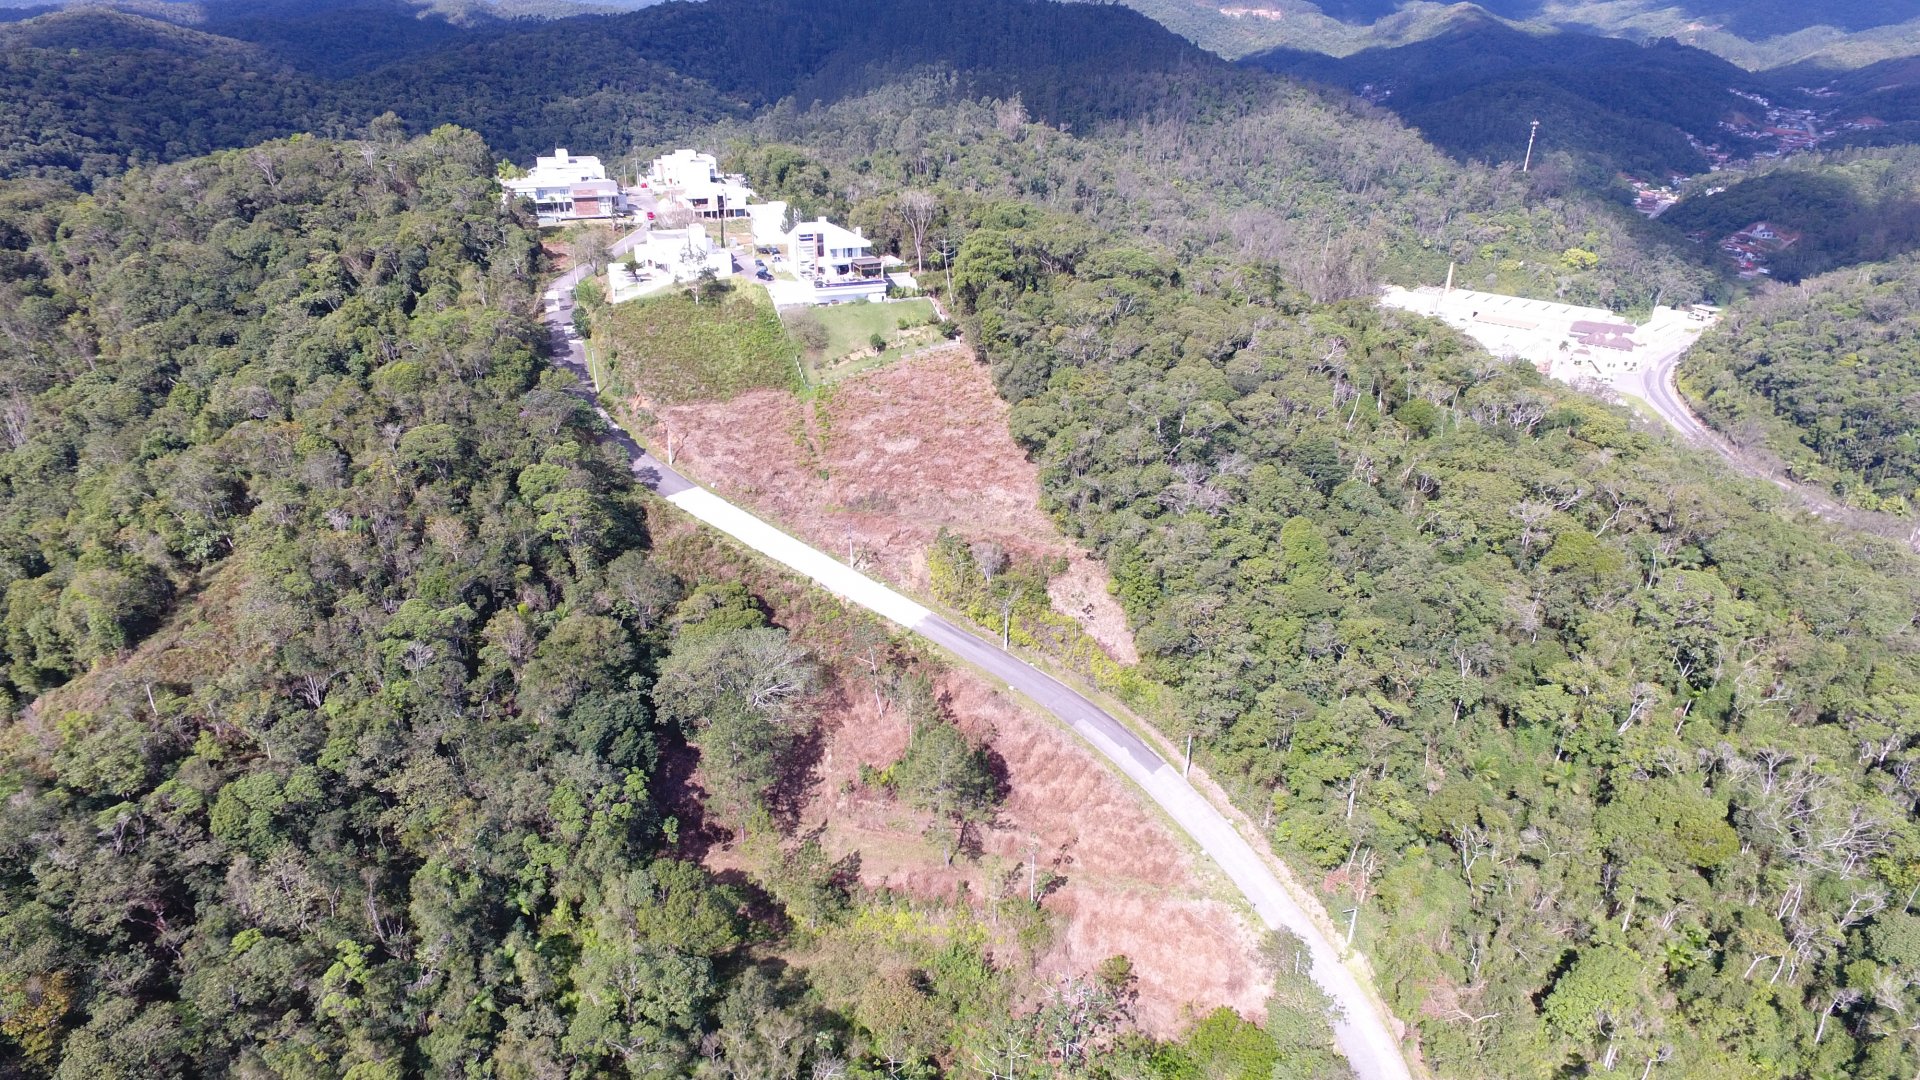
1189	766
1353	920
1532	133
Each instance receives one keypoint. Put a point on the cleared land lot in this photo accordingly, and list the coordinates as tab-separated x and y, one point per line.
1555	338
670	349
850	329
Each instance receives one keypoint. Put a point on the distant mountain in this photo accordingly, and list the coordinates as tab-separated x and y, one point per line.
1473	90
1752	33
84	92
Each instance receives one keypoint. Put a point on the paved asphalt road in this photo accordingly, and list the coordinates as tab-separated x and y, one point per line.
1654	385
1363	1030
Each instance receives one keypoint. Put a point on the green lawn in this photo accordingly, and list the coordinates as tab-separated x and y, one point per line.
850	329
670	349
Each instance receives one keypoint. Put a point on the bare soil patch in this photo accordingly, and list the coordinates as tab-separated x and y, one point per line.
1130	887
879	465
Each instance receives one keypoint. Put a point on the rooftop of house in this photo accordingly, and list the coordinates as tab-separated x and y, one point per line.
686	166
561	168
830	235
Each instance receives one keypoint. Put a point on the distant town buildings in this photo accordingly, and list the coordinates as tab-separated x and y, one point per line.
1653	199
1752	247
568	187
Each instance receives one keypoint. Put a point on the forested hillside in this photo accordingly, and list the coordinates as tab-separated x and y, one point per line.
349	710
1756	34
1827	377
1609	748
353	715
322	649
86	92
83	95
1279	179
1472	90
1846	206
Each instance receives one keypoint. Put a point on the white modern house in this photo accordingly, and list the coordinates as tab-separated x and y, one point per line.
835	265
682	168
824	251
668	257
769	224
568	187
693	181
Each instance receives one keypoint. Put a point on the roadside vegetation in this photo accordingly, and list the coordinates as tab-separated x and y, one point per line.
1825	376
710	342
1549	700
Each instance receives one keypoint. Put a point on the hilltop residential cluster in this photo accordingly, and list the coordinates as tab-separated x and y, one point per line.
1751	247
682	193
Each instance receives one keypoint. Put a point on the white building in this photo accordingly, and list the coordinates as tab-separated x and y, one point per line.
693	181
769	224
683	168
568	187
684	253
826	252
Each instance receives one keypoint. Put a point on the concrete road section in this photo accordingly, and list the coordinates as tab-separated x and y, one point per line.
1364	1030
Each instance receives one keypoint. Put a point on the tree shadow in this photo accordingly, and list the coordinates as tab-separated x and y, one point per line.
797	772
846	873
685	801
756	903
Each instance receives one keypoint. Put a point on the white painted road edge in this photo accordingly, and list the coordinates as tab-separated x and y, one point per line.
1363	1030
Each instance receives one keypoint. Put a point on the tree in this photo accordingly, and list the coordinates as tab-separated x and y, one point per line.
757	670
918	209
985	263
592	246
1602	1003
948	776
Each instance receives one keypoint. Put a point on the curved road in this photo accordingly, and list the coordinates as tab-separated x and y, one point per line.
1655	385
1363	1030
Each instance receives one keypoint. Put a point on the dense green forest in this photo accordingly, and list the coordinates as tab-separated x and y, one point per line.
1826	376
87	92
1279	177
1608	747
350	708
1849	206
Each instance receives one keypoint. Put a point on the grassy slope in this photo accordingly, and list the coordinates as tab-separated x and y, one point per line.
672	349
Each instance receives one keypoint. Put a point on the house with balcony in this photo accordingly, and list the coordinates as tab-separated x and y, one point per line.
837	262
567	187
693	182
821	250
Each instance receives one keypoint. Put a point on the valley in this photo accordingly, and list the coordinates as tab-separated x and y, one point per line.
958	540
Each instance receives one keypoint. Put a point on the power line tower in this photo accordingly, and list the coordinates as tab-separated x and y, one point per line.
1532	133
